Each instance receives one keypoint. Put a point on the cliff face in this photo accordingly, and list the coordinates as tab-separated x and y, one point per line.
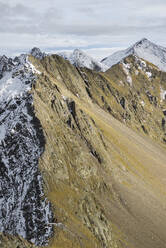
102	173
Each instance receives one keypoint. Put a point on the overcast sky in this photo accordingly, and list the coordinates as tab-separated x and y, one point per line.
97	26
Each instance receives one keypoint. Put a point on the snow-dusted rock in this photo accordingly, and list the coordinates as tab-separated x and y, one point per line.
143	49
23	209
36	52
5	65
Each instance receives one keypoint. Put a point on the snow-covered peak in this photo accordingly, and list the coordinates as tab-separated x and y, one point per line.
144	49
142	41
81	59
36	52
78	51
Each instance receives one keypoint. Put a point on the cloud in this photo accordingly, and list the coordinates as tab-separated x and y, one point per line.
86	24
18	11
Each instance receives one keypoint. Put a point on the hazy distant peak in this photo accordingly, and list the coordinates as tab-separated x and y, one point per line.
77	50
81	59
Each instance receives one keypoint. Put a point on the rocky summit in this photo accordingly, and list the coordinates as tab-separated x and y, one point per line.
82	152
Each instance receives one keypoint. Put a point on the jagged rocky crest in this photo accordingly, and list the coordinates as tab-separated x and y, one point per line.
36	52
24	210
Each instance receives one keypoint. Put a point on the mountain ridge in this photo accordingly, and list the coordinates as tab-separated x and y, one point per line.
83	153
144	49
114	185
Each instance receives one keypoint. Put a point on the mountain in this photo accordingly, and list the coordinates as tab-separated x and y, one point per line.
24	210
81	59
144	49
82	154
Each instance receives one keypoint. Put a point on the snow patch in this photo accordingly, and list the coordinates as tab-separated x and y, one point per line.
142	103
34	70
64	97
148	74
129	80
142	66
126	68
162	94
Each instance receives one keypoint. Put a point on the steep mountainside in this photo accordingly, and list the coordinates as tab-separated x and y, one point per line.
134	92
81	59
101	143
23	209
143	49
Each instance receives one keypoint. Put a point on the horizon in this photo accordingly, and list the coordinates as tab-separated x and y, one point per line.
96	53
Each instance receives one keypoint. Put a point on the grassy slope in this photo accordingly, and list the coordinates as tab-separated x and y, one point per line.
142	108
128	186
105	181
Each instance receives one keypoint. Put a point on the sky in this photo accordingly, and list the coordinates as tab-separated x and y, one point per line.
99	27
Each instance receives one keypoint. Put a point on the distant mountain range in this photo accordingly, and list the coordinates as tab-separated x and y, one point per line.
144	49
